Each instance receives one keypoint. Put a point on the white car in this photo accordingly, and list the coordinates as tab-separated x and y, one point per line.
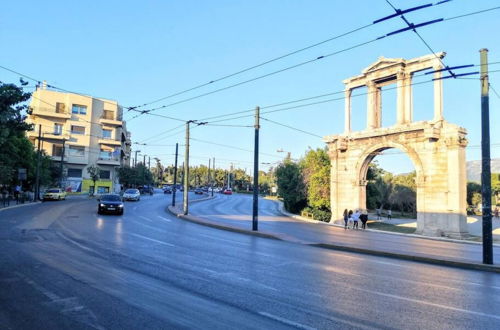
132	195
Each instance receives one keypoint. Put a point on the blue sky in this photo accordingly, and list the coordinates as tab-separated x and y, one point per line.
136	52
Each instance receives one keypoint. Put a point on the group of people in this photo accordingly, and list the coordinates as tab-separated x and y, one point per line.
352	218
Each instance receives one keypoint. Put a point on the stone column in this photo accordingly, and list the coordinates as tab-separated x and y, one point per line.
408	99
372	120
347	114
401	93
438	94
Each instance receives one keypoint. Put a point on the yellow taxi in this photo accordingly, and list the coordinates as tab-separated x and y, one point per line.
54	194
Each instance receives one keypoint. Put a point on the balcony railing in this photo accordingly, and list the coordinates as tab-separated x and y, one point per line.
52	112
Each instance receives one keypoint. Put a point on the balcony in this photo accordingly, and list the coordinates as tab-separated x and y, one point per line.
109	118
108	161
54	137
110	142
51	112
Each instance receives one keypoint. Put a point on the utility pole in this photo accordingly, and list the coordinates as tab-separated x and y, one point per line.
135	159
255	213
485	161
144	160
212	183
149	163
61	166
175	174
186	170
208	174
37	180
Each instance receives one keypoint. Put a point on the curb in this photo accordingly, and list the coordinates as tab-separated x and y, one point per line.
18	205
443	239
428	260
202	222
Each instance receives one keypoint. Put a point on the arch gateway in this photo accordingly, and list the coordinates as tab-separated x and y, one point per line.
436	148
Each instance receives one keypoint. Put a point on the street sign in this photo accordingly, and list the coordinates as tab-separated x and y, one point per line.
22	174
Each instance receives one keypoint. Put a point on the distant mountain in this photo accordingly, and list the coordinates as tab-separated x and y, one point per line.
474	169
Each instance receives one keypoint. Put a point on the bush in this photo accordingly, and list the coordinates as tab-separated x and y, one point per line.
318	214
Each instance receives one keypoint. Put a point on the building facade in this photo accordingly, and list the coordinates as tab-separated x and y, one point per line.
80	131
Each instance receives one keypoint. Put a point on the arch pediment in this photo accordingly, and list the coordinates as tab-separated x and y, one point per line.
383	63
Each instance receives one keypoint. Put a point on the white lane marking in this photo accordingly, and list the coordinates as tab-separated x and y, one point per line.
150	227
152	240
49	294
134	208
418	301
165	219
286	321
147	219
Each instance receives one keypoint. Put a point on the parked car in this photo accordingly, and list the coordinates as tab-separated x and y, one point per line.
167	190
110	203
228	191
54	194
198	191
132	195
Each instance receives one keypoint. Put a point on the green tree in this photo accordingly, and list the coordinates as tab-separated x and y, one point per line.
16	150
315	167
473	189
291	186
94	172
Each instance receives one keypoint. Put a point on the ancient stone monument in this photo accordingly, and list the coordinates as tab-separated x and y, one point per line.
436	148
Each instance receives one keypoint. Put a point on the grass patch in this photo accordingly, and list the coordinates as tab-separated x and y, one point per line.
389	227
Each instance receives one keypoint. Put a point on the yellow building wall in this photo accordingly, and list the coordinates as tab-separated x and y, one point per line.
86	184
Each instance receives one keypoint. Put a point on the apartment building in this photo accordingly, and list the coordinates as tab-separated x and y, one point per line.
81	131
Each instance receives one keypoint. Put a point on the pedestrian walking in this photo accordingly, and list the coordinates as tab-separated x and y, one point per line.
346	218
349	219
389	215
355	219
17	192
5	196
495	213
379	213
364	218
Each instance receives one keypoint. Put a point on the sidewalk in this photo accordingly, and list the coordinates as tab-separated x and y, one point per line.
324	235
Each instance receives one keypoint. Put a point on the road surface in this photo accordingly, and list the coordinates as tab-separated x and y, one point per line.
63	266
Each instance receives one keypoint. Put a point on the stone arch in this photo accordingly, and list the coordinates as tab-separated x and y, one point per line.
436	148
370	153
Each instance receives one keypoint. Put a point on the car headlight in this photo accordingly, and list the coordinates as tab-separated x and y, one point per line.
121	205
101	205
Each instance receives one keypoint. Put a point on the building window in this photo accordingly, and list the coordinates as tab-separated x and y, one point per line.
106	133
57	150
74	172
105	154
105	174
108	114
77	129
60	107
79	109
58	129
76	151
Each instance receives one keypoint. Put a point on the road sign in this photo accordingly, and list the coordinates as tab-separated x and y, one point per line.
22	174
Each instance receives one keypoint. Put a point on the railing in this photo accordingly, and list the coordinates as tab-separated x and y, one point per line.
50	110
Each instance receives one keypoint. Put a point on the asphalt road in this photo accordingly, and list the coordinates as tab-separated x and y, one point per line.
236	210
63	266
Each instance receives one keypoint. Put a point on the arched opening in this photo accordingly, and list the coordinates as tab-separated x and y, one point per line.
389	177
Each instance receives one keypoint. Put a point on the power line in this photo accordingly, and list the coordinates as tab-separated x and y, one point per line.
261	77
255	66
284	56
411	26
290	127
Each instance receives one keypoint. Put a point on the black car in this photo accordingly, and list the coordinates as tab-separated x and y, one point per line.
198	191
167	190
110	204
